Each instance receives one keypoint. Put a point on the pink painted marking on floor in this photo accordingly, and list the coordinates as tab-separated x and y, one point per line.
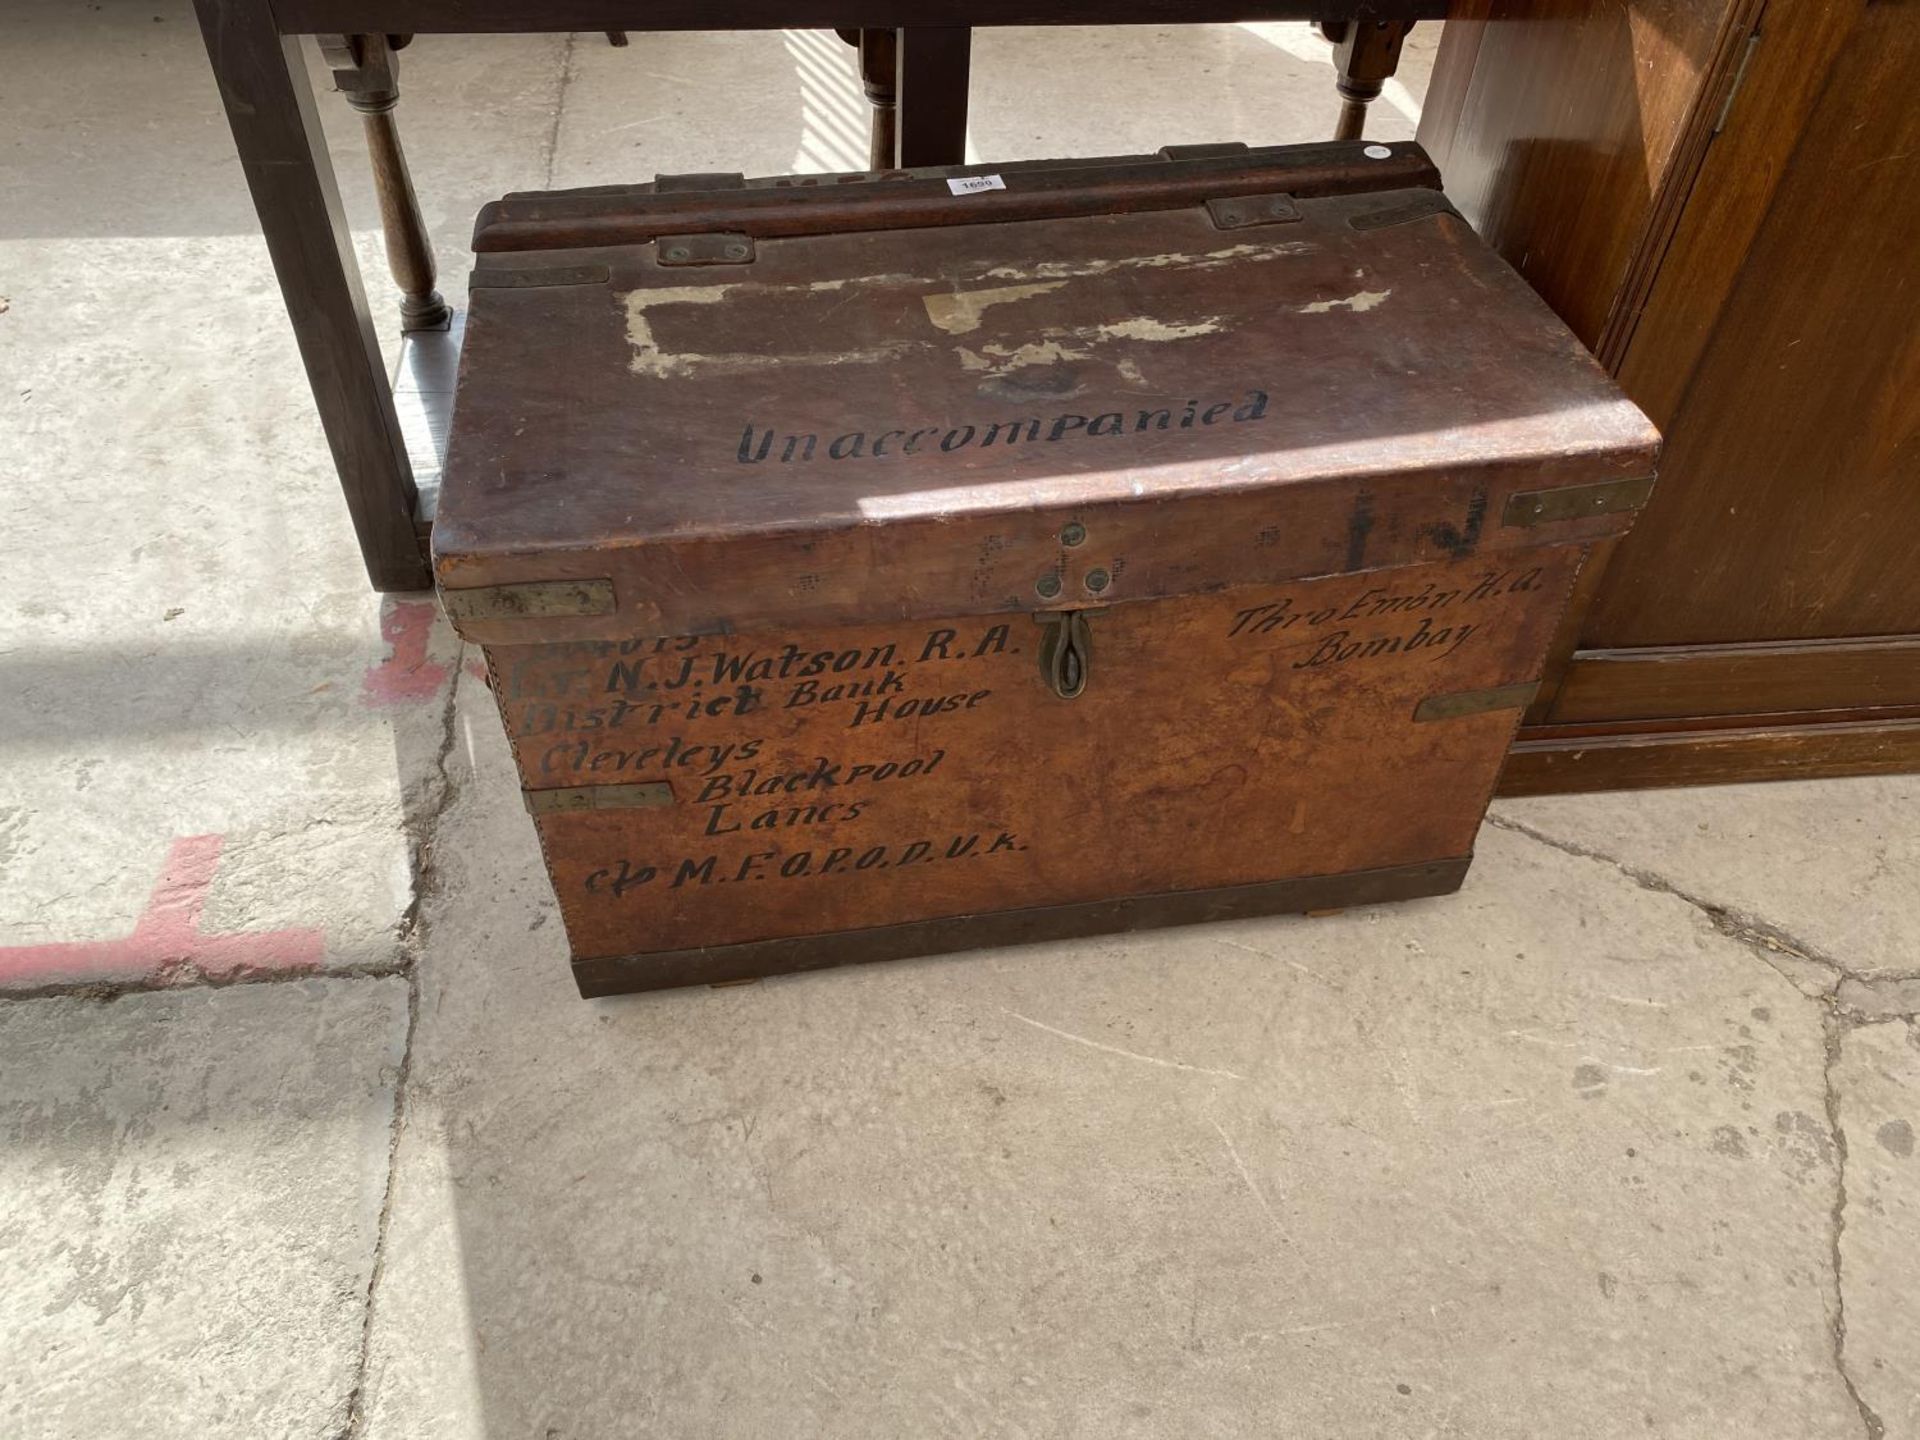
167	942
407	674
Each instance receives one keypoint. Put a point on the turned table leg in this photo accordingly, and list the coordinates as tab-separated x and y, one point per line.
916	83
367	70
1365	55
877	78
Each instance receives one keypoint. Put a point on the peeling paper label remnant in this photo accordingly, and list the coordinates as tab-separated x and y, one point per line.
1359	302
960	312
1056	346
1145	327
650	360
1176	260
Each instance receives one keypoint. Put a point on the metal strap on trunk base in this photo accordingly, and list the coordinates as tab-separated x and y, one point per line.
1476	702
599	797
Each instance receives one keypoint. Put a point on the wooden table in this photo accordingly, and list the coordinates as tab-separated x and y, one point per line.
254	49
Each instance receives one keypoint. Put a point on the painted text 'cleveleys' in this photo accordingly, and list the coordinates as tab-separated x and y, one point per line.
757	445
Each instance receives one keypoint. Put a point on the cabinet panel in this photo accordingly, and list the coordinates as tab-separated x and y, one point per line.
1790	485
1559	127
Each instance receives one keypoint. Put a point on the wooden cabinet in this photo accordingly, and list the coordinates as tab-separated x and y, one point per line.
1722	198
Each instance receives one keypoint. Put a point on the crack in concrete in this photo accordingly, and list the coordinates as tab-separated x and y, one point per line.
1888	997
1766	941
1834	1029
396	1127
552	145
423	831
1763	938
167	980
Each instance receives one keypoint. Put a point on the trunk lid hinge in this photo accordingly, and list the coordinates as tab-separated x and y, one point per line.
716	249
1241	212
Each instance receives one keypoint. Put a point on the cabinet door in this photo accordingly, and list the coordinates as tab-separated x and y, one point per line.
1789	495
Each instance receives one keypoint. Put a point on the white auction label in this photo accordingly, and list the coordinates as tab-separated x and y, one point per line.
974	184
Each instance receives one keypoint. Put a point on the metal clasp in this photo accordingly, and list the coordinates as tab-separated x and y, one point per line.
1066	652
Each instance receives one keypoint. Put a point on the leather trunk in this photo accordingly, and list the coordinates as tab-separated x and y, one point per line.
869	566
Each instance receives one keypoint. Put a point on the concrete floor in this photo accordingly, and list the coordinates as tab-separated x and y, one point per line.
1618	1141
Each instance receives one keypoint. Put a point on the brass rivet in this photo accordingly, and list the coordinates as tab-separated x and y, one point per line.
677	252
1048	586
1097	580
1073	534
736	252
